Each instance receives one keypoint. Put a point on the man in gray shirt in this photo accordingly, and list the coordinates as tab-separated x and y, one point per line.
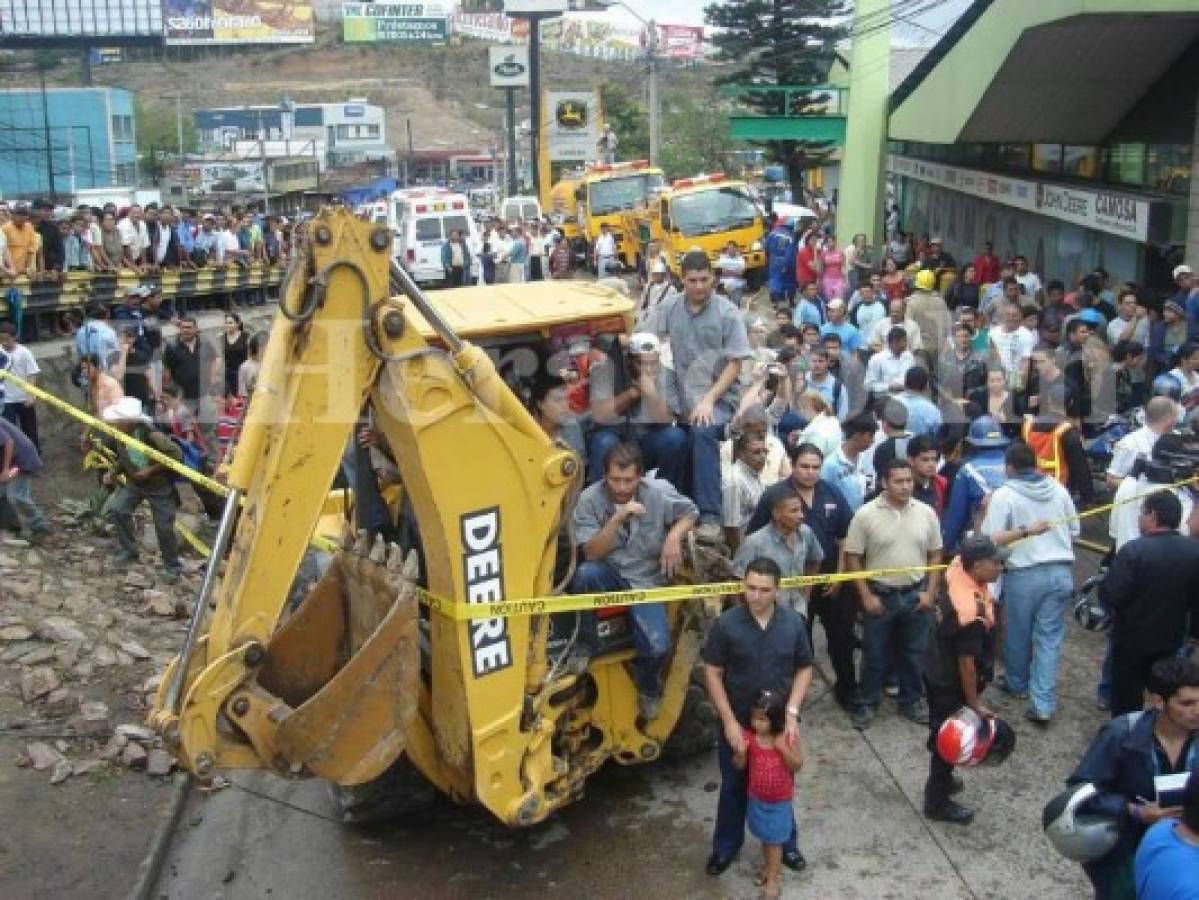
708	343
787	541
630	529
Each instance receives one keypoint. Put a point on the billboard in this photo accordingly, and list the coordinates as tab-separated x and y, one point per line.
681	42
80	18
573	124
377	23
237	22
240	177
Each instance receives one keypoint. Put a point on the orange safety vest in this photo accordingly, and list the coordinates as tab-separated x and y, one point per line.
1047	445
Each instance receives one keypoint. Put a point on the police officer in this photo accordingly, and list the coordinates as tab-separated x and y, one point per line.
958	662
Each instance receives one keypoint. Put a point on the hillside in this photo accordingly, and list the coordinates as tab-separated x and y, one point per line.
443	90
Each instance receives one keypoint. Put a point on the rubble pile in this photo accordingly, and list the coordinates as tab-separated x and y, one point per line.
82	644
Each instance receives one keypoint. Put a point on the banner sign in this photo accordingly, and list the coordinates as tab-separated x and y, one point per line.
207	22
681	42
374	23
1112	212
573	123
78	20
225	177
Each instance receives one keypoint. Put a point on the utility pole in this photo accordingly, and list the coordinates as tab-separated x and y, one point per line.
411	153
179	124
266	190
654	115
535	99
512	187
41	74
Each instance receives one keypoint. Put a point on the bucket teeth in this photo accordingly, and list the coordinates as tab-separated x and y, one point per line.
395	557
379	550
412	566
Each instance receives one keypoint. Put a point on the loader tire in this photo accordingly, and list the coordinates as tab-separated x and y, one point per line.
401	793
695	732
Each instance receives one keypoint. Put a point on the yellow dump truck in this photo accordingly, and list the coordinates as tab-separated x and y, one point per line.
606	194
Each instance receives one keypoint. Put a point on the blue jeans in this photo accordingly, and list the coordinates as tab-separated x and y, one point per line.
900	622
651	630
19	494
729	832
663	447
1036	599
704	443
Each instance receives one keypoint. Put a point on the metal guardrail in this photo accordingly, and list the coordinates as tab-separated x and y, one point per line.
44	302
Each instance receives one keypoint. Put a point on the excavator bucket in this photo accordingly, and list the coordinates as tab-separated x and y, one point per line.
347	663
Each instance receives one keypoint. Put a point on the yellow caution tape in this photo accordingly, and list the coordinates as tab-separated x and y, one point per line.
460	611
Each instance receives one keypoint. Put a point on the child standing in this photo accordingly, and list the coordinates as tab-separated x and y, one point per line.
772	762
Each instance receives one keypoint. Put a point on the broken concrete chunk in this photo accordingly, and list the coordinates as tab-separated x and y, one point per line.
133	756
104	656
43	756
138	579
136	733
134	649
115	746
61	772
15	633
60	630
61	702
38	682
159	762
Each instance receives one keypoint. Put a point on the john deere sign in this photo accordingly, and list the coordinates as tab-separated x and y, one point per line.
371	23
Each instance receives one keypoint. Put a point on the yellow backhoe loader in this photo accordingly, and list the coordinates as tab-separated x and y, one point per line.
371	682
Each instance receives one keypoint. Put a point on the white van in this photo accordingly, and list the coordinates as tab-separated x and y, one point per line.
423	220
521	209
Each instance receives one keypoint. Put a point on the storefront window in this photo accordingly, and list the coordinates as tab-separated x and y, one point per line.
1168	168
1126	164
1014	157
1047	158
1080	162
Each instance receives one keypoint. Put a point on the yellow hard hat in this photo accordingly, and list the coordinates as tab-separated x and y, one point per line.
925	280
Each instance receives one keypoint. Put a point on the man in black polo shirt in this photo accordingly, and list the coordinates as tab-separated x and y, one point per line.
827	513
184	361
755	646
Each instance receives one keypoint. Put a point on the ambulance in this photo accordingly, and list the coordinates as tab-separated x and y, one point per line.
421	220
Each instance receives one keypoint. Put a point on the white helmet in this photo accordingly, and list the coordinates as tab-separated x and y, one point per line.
1082	837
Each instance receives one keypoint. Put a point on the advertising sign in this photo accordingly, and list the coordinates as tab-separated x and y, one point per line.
1108	211
526	7
682	42
509	66
244	176
375	23
573	125
79	19
237	22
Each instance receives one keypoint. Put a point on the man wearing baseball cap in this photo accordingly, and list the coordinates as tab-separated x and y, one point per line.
983	471
1188	298
958	662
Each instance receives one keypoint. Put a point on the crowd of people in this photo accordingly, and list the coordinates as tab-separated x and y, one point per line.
928	431
44	242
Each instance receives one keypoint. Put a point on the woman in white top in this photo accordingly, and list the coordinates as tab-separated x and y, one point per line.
824	428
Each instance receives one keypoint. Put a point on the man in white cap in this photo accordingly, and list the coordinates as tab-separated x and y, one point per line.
657	289
1188	298
144	479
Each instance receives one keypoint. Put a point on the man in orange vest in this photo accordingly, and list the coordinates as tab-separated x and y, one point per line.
1051	436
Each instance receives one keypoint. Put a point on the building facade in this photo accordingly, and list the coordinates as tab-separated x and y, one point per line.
350	132
1063	130
81	138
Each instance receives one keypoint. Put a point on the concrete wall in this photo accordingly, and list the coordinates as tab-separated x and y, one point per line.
85	148
1055	249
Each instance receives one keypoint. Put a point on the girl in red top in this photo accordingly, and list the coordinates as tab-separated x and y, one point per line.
772	763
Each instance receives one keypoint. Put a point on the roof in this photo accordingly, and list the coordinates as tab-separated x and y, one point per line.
1058	71
497	310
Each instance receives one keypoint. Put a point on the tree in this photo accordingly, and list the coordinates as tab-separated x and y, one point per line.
628	119
157	132
780	42
694	146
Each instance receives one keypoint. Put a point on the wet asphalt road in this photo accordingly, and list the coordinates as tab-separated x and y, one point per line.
644	832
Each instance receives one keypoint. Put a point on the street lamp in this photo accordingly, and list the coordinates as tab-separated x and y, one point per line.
652	50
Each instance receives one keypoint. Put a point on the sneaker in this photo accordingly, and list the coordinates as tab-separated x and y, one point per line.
862	717
1037	718
956	786
915	712
891	690
648	706
950	811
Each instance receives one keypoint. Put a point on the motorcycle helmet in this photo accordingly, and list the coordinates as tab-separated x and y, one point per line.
964	739
1089	611
1082	837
